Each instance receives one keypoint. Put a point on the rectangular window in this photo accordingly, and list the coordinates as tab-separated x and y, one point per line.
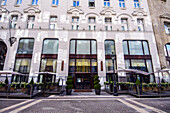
91	3
30	22
53	22
75	19
22	65
75	3
92	19
167	27
34	2
122	3
136	4
55	2
167	50
77	27
50	46
140	24
109	47
124	22
48	65
14	19
108	20
106	3
135	48
25	46
83	47
109	65
0	17
3	2
19	2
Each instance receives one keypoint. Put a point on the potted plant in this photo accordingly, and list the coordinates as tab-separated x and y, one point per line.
69	86
138	86
97	85
24	87
2	86
31	88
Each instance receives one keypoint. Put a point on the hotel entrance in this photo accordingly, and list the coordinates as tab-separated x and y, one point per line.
83	82
83	63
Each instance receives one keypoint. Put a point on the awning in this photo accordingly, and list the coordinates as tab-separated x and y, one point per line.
43	73
11	72
134	71
163	70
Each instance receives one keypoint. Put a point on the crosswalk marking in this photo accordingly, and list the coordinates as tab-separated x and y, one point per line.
13	106
146	106
26	106
133	106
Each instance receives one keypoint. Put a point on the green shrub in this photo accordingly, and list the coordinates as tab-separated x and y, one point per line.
31	82
69	82
97	82
6	80
70	86
137	82
97	86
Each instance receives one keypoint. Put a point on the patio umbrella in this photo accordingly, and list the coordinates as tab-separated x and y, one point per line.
133	70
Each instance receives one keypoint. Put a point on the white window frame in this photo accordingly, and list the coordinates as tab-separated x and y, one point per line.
136	4
30	22
122	4
14	19
18	2
55	2
34	2
53	22
140	23
124	24
106	3
167	27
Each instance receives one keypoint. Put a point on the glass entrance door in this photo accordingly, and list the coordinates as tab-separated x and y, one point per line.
83	82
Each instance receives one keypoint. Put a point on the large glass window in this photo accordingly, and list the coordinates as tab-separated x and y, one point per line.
135	48
48	65
109	47
83	47
22	65
23	60
137	56
50	46
25	46
83	65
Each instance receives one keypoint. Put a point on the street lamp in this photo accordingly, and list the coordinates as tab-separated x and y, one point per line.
11	39
115	86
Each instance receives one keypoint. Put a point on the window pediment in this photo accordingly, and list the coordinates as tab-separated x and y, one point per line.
139	12
75	10
108	11
165	15
32	10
